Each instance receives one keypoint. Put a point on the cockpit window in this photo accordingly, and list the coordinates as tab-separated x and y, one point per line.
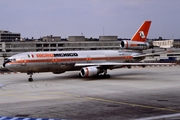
9	60
12	60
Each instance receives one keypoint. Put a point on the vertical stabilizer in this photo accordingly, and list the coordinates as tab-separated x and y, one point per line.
142	32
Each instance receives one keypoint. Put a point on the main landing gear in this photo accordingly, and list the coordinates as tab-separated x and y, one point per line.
104	74
30	77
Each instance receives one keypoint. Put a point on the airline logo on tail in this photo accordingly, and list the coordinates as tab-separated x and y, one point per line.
142	32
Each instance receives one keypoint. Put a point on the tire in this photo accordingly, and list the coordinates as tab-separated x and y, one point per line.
30	80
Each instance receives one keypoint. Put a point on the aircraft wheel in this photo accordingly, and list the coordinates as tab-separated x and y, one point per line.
143	66
30	79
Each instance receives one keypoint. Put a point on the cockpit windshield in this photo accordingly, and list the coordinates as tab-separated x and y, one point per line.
12	60
9	60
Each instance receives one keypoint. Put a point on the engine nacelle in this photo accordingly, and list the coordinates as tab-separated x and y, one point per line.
134	45
89	71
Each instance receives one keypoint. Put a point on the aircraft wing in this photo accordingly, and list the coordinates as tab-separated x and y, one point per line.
151	54
121	64
129	64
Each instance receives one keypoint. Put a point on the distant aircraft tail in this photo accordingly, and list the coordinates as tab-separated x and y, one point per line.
142	32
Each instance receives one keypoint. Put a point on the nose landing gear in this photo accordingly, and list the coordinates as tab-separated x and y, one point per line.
30	77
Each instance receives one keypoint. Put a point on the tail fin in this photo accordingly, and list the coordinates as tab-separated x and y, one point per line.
142	32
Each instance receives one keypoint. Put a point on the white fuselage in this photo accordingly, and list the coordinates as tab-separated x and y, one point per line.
61	61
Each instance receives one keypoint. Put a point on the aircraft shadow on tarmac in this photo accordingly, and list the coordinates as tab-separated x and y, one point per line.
131	75
114	76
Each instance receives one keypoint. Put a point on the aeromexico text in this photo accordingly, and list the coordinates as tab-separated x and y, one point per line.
56	55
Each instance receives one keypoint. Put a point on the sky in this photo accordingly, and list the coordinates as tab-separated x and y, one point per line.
91	18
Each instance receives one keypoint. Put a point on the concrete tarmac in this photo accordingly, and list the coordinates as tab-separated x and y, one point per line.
137	93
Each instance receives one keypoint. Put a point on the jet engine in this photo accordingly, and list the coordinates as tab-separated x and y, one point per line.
90	71
134	45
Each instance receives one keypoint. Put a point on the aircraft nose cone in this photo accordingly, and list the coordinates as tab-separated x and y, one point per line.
7	66
4	64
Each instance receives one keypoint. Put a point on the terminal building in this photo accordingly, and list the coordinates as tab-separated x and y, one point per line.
17	47
6	36
165	43
108	38
76	38
51	38
55	43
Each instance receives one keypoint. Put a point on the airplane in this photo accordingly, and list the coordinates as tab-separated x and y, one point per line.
90	62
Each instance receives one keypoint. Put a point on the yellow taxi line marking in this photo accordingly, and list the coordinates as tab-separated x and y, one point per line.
122	103
89	98
132	104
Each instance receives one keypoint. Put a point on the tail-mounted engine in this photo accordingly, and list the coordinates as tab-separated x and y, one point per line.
90	71
134	45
